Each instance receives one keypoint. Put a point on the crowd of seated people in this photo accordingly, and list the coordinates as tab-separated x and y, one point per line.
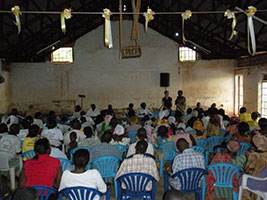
54	136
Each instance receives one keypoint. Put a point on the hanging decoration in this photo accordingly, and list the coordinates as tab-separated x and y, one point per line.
65	14
185	16
149	16
16	11
108	32
251	33
231	15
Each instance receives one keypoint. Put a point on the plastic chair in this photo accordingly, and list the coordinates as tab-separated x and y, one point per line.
214	141
77	148
81	193
228	137
169	153
244	185
243	148
202	143
156	114
132	136
223	173
122	149
65	163
44	192
28	154
198	149
135	185
190	180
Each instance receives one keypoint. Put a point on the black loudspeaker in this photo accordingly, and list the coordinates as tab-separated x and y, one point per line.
164	79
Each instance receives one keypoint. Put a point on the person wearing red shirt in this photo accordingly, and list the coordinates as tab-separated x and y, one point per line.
42	169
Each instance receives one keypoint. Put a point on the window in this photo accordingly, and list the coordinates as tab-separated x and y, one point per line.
238	93
62	55
187	54
264	98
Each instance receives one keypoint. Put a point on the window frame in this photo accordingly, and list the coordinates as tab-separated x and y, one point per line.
187	50
62	62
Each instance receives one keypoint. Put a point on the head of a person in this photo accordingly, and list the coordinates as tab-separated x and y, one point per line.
25	124
226	118
110	107
77	108
14	111
51	123
255	115
52	114
25	193
198	104
141	147
242	110
29	118
243	127
141	134
263	123
38	115
131	105
41	146
182	144
189	111
93	107
73	136
106	137
83	119
162	131
119	130
81	158
233	147
213	105
166	93
14	129
221	112
194	113
34	130
88	132
173	195
3	128
76	125
133	120
143	105
180	93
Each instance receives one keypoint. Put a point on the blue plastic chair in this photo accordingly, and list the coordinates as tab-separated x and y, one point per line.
135	186
122	149
214	141
169	152
44	192
77	148
132	136
223	174
28	154
81	193
65	163
228	137
156	114
198	149
202	143
190	180
243	148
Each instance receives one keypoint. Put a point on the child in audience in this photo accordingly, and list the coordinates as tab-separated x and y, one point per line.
73	143
254	122
243	135
244	116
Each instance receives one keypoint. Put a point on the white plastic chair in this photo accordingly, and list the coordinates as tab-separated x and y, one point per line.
4	166
244	186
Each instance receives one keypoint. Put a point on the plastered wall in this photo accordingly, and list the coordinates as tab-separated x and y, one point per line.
103	78
5	91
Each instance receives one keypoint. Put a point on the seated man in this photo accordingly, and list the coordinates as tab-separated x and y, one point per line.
139	163
143	111
105	148
188	158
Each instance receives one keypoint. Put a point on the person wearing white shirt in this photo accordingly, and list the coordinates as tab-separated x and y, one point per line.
80	177
53	134
3	130
93	111
76	127
143	111
37	119
205	119
57	153
11	142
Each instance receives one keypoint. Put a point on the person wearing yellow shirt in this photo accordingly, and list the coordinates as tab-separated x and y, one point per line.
254	121
244	116
32	136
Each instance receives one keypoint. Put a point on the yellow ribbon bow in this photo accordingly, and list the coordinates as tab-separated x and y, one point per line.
185	16
149	16
250	32
65	14
231	15
16	11
108	32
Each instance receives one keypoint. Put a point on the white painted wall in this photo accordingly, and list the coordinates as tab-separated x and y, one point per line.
4	91
98	73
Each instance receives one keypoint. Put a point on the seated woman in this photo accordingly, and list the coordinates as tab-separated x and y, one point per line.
33	135
243	135
214	126
229	156
80	176
42	169
119	136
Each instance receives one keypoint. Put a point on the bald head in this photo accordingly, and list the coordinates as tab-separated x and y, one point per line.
181	145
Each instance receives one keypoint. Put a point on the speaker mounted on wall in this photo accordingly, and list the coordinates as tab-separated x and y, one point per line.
164	79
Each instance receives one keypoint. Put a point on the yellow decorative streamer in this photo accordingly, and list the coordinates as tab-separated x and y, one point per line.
231	15
108	32
251	33
16	11
149	16
65	14
185	16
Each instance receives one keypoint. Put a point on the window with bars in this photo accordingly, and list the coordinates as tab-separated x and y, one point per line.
187	54
62	55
